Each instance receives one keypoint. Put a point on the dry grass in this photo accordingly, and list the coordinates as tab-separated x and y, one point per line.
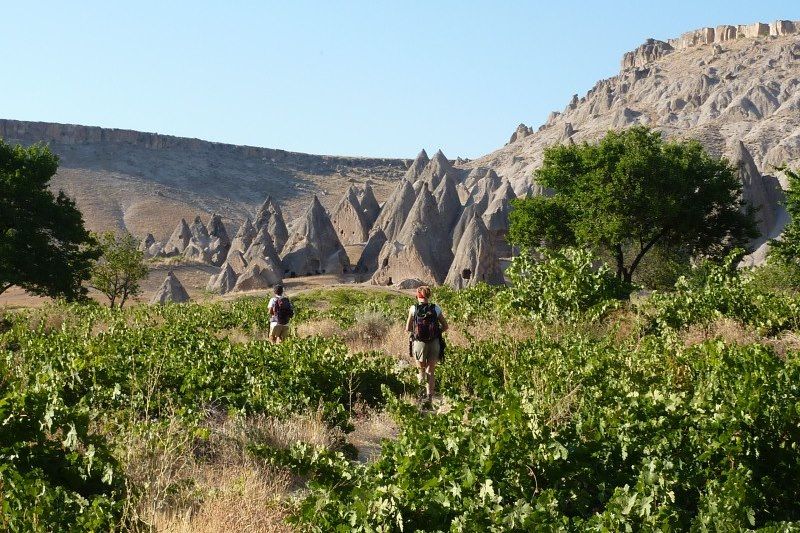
725	329
325	327
207	481
371	429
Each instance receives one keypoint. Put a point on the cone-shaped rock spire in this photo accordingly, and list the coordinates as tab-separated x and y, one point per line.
473	208
170	291
220	242
262	251
436	169
313	247
475	259
244	237
757	190
199	233
348	219
368	262
146	243
421	250
488	184
395	211
416	168
447	202
270	215
179	240
236	261
369	205
223	282
496	217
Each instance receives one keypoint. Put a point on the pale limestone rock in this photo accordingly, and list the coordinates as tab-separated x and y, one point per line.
314	247
170	291
348	219
475	259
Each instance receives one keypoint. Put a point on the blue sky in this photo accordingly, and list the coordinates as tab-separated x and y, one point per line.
348	78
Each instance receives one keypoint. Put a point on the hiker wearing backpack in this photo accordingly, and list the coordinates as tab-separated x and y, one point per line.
425	324
281	312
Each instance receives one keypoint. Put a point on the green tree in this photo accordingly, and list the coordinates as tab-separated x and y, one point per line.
120	269
632	192
44	247
787	248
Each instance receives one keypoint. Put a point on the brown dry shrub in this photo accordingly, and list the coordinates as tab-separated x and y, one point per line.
184	481
324	327
724	328
371	428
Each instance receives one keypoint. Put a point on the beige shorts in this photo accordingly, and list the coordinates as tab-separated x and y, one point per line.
278	331
426	352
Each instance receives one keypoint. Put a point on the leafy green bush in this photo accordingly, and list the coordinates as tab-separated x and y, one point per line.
566	285
578	435
715	290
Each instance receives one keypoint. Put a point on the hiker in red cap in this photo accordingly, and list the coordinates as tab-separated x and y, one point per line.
425	324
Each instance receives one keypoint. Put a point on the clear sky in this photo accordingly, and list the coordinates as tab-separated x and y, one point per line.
372	78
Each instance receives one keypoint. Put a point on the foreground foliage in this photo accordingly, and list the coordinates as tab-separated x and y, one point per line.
579	434
74	378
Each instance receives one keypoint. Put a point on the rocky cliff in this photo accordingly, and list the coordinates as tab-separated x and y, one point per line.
734	88
144	182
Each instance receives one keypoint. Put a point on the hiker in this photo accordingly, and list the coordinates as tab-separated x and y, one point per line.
425	324
281	312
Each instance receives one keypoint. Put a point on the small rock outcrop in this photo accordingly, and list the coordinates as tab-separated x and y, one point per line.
223	282
256	277
348	219
314	247
521	132
146	243
170	291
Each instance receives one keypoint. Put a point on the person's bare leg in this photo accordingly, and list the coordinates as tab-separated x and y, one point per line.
430	385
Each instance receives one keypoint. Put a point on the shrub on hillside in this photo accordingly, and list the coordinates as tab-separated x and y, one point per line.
565	285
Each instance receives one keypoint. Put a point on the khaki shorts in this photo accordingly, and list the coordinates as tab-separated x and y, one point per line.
426	352
278	331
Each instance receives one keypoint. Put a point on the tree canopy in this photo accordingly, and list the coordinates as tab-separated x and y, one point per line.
120	269
44	247
632	192
787	248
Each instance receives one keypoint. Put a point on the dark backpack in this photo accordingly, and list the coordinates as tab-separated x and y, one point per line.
426	323
283	310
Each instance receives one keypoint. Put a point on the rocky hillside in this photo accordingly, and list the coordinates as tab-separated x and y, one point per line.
145	182
734	88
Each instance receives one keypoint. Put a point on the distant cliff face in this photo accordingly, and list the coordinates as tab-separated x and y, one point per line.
741	87
145	182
